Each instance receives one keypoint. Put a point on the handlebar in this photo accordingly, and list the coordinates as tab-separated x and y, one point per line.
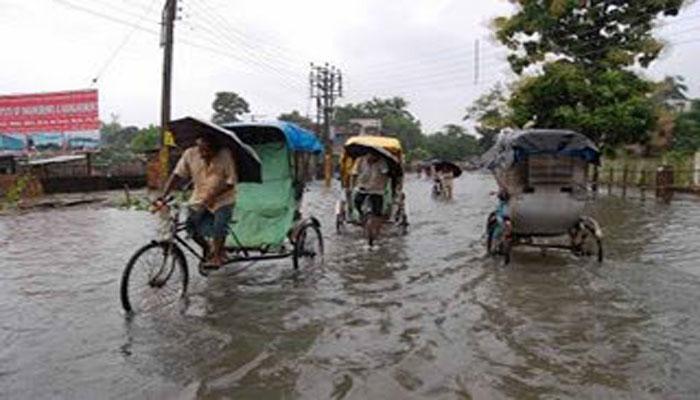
161	203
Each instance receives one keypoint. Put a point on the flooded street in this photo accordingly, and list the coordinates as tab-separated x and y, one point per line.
423	316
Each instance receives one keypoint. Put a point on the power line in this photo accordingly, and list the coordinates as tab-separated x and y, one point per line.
140	16
117	20
275	53
282	52
462	70
455	80
251	53
247	58
121	45
673	21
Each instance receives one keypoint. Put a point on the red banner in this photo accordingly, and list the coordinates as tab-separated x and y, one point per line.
62	112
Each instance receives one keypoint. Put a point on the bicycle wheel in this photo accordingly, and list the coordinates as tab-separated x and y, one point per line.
490	230
154	278
308	246
369	227
591	244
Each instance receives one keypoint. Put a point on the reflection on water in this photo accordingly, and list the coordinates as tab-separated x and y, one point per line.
422	316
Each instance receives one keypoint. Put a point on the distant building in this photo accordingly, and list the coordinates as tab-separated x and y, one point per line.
679	105
357	126
367	126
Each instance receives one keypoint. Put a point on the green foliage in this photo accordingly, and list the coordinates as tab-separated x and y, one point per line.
296	117
452	143
686	136
396	120
594	34
228	107
14	194
146	139
670	89
491	115
590	88
611	107
417	154
116	135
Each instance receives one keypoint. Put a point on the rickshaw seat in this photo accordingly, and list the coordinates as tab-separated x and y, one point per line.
264	212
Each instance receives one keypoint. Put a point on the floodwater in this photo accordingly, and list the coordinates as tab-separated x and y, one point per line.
423	316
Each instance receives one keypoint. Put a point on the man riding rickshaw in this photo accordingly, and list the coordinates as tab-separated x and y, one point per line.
371	174
247	182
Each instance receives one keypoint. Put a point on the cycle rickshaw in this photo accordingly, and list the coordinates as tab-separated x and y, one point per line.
439	167
394	205
543	191
267	223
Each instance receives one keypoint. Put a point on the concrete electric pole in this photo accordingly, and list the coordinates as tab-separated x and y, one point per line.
166	42
326	84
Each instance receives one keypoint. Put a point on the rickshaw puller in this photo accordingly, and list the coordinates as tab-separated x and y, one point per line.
211	168
371	174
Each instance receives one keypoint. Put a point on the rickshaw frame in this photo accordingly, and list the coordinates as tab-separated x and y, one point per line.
549	151
345	207
296	140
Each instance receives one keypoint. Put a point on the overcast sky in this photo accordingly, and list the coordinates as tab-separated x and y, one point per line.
420	49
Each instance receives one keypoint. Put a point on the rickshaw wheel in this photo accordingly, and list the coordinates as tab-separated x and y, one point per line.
490	225
598	250
308	246
339	221
154	278
506	248
404	224
507	242
592	244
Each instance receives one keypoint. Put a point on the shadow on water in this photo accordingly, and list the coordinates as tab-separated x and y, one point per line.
426	315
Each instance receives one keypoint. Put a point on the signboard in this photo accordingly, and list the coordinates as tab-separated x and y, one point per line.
52	120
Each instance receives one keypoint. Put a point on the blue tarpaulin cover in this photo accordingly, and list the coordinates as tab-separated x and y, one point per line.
515	147
298	138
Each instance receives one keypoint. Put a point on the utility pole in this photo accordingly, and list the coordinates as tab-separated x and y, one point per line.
166	42
476	62
326	84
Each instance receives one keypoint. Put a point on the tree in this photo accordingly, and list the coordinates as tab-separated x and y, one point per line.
686	135
586	49
491	115
146	139
611	107
296	117
595	34
396	120
228	107
452	143
668	91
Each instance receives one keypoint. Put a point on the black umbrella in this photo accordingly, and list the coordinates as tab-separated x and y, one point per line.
187	130
443	165
356	150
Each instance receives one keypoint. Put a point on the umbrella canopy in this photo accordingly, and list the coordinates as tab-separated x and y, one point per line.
517	146
298	139
444	165
187	130
356	150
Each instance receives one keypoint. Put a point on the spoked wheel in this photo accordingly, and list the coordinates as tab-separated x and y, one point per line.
501	243
308	246
155	278
490	231
369	226
403	223
507	241
339	222
589	240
